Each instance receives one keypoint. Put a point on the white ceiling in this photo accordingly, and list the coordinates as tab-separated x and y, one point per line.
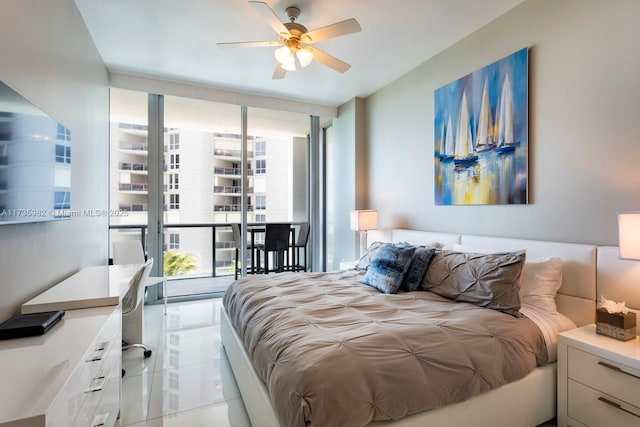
176	40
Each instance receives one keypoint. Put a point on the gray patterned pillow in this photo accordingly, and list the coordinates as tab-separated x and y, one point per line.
388	267
417	268
486	280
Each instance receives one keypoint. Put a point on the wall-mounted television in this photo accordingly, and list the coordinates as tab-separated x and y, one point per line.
35	162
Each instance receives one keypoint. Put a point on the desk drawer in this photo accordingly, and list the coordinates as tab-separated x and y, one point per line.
594	408
614	379
102	358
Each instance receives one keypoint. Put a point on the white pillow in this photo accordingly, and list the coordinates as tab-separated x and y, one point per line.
539	281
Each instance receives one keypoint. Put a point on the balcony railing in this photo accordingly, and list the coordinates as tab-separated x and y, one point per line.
135	146
138	167
224	152
230	208
134	207
231	171
133	187
230	189
223	266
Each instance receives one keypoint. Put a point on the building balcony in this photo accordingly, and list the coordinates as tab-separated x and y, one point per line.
133	167
225	245
230	171
227	153
230	189
141	147
140	167
230	208
140	188
134	207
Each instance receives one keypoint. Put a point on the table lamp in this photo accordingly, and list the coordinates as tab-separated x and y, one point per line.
629	235
362	221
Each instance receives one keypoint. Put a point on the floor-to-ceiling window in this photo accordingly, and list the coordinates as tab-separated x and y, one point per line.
201	179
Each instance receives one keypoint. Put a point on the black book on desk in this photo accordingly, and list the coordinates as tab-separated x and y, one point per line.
28	325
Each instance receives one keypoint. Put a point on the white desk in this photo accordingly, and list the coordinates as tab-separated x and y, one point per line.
90	287
70	376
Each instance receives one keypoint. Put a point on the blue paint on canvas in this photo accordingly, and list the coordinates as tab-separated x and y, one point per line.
480	140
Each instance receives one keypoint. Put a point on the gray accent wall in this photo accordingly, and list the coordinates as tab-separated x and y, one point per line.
584	126
49	58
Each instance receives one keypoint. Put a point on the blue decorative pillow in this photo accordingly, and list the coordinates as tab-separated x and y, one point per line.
417	268
388	267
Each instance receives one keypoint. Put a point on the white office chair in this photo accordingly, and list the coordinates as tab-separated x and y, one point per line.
131	252
128	252
130	302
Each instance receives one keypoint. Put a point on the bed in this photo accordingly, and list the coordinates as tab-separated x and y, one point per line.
523	395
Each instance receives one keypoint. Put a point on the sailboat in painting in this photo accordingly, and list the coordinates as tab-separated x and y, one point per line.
446	139
505	142
485	136
464	153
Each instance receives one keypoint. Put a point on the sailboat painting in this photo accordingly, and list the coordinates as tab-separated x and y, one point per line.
480	141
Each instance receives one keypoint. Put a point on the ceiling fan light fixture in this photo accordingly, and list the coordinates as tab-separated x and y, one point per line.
284	56
305	56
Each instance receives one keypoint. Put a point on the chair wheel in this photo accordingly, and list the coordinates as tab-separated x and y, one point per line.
123	372
147	353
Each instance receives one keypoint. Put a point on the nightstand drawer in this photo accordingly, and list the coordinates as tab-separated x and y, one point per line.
614	379
594	408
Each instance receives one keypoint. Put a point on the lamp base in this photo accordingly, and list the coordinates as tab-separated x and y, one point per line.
363	243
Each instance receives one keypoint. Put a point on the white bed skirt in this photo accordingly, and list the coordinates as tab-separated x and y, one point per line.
527	402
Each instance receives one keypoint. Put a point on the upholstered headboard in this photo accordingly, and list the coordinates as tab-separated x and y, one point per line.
576	298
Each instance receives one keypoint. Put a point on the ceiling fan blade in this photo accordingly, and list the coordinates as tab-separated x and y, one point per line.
329	61
330	31
250	44
279	72
270	16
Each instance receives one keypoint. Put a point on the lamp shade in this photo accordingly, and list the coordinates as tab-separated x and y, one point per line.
364	220
629	235
285	57
305	56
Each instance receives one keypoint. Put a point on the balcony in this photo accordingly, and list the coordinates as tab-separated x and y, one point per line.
133	167
136	167
224	152
231	171
142	188
133	146
134	207
230	208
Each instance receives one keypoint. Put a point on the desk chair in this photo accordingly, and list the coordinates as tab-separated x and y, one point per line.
300	243
276	240
131	252
131	326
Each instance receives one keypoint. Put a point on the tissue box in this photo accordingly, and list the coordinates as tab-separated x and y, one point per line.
616	325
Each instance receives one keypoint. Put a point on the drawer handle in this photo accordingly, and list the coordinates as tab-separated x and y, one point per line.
617	369
96	384
98	352
100	420
617	406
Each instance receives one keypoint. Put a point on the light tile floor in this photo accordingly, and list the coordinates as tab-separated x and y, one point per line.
187	381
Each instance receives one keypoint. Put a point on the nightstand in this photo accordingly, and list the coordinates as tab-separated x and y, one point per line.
598	379
348	265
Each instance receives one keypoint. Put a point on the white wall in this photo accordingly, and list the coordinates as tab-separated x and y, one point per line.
49	58
584	125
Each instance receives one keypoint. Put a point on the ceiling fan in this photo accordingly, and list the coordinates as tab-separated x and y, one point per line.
294	40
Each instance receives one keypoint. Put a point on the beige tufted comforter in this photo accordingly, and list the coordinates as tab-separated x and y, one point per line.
335	352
